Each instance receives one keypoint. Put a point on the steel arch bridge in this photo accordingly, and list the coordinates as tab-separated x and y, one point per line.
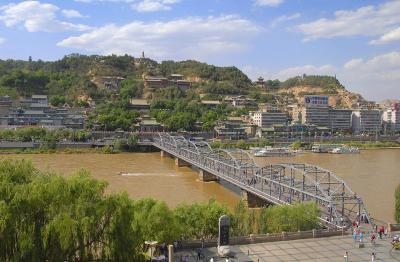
279	184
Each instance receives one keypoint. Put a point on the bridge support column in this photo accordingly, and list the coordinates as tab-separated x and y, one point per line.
181	163
165	154
253	201
207	177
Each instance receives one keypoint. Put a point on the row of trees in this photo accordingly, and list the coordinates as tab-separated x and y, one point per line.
241	144
42	134
44	216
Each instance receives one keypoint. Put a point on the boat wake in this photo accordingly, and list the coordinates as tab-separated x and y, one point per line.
145	174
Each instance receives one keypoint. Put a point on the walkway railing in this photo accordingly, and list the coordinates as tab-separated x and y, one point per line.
253	239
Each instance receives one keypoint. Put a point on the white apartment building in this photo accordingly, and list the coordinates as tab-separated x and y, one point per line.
391	117
366	121
269	118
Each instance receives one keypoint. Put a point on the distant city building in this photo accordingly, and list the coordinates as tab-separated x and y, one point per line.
260	82
340	119
36	112
150	125
269	117
318	116
40	99
176	77
156	82
291	131
391	117
111	82
230	130
211	104
316	101
366	121
175	80
240	101
139	104
316	111
5	105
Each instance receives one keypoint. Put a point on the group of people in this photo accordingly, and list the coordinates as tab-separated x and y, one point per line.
359	234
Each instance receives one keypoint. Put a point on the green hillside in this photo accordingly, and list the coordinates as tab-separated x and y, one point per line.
76	80
71	76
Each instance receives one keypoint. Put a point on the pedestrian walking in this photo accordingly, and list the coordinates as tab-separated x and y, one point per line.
346	256
373	238
355	235
386	232
380	232
198	254
361	236
373	256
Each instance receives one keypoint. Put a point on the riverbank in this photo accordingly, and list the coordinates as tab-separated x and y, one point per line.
31	151
76	150
245	145
369	145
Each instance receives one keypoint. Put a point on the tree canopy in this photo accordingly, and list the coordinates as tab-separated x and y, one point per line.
45	216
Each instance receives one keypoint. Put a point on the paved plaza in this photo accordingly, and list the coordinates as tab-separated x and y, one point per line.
319	249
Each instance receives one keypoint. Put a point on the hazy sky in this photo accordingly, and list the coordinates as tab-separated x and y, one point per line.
358	40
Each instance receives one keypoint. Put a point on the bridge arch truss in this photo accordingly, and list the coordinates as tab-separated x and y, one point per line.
281	184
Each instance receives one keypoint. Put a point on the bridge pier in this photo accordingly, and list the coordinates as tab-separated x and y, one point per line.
207	177
165	154
253	201
181	163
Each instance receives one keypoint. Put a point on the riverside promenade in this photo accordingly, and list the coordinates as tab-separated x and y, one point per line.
317	249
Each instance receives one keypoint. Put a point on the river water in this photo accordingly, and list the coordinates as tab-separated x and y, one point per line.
373	174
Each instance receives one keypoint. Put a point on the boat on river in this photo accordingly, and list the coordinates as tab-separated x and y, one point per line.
275	152
323	148
345	150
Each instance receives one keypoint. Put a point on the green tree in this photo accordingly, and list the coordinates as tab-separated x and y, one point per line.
397	204
156	221
57	100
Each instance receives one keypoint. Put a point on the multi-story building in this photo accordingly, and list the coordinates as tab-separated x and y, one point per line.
5	105
391	117
211	104
316	101
340	119
318	116
230	130
155	82
175	80
240	101
315	111
39	99
269	117
139	104
366	121
36	112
